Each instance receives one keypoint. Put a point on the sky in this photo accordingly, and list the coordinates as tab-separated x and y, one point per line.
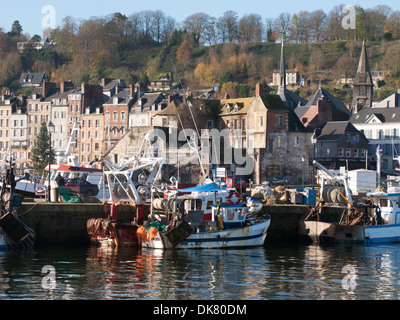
33	14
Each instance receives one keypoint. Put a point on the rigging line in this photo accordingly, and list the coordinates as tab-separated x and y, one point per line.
188	104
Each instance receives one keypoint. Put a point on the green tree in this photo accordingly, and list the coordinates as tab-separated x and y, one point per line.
16	29
40	150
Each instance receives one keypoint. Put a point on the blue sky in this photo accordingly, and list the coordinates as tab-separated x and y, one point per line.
29	12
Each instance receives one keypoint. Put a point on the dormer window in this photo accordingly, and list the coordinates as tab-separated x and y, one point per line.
116	100
236	108
228	108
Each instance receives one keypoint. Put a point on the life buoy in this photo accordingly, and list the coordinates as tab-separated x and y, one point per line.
234	197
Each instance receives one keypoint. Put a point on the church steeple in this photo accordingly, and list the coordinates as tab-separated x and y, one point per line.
363	85
282	71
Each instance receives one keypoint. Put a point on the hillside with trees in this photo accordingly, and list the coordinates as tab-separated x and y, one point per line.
230	51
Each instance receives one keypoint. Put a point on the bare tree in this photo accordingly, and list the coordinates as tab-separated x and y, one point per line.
147	23
250	28
158	21
210	32
334	29
197	24
318	20
134	27
270	33
168	28
228	26
282	25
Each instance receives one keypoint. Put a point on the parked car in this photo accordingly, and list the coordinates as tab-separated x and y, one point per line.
238	184
79	185
277	181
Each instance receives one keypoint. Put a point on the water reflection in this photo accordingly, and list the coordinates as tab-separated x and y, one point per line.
276	272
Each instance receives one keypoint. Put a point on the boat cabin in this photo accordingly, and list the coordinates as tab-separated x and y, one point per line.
389	206
203	202
232	215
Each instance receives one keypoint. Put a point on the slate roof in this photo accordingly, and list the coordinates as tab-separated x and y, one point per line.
34	78
292	99
148	99
334	130
385	115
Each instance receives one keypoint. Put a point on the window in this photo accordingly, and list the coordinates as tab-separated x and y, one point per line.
236	124
244	124
123	116
340	152
261	121
280	120
270	146
328	152
355	153
348	138
348	152
115	116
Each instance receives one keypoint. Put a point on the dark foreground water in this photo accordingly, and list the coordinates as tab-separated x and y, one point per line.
275	272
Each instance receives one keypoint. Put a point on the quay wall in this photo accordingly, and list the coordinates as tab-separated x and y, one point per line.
65	223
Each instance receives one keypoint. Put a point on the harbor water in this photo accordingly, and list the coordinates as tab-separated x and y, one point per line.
283	272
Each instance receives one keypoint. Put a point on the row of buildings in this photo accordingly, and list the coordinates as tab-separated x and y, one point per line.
276	130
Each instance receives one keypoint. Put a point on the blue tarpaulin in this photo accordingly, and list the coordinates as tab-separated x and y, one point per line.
203	188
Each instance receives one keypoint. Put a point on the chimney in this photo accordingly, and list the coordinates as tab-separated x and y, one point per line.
138	90
46	88
258	90
227	96
170	97
131	91
65	85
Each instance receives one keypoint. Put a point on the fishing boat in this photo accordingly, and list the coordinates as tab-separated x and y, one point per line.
14	234
234	224
129	183
373	219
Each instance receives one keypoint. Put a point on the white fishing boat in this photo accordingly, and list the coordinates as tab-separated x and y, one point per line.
374	219
230	225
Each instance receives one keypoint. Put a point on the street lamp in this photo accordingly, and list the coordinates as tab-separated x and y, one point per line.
50	130
314	142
